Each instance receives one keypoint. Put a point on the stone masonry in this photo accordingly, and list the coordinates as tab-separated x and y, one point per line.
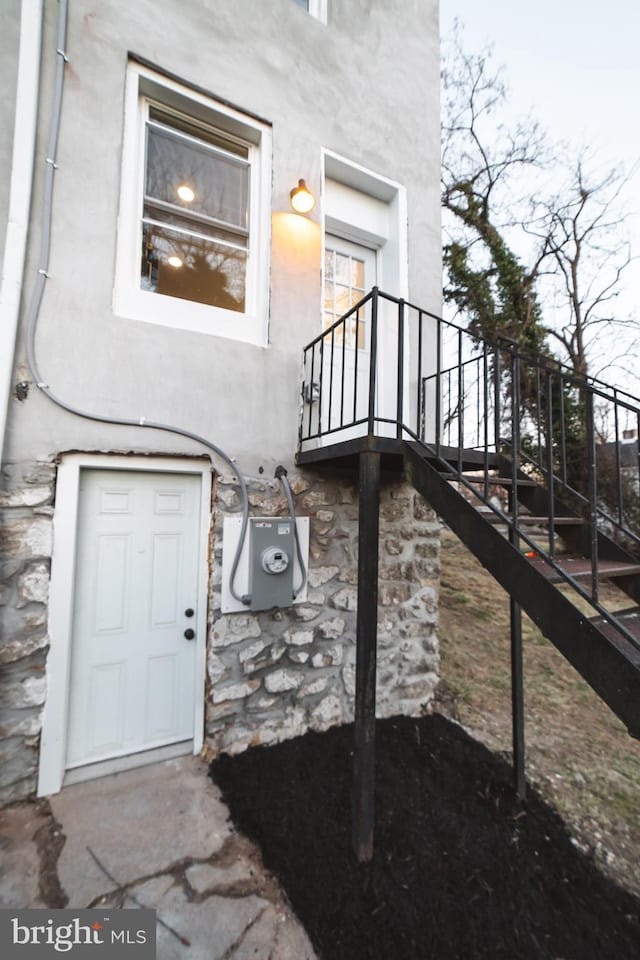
276	674
270	676
26	510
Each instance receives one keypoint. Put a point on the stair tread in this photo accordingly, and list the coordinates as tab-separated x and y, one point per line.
527	518
630	619
580	568
492	481
629	613
609	663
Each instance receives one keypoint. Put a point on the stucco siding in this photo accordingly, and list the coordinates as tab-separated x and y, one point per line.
364	86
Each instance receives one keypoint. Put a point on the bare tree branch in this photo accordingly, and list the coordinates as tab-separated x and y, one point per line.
541	266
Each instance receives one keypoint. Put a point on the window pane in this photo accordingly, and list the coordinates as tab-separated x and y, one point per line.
357	273
153	212
193	176
342	268
191	268
198	130
328	264
343	300
344	287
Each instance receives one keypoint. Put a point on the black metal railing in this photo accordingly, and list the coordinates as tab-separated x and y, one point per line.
390	368
365	372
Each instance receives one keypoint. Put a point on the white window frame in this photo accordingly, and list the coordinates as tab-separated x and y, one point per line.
318	9
145	87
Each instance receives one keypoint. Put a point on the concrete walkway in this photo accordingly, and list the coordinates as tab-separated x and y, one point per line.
164	836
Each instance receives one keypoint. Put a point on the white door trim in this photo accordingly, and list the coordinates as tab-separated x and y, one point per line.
393	257
363	207
65	532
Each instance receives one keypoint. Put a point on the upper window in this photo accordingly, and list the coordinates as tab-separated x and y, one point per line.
317	8
195	216
194	219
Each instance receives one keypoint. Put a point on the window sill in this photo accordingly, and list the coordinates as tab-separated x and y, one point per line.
189	316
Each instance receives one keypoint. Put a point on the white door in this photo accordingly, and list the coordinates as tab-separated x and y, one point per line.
349	273
132	681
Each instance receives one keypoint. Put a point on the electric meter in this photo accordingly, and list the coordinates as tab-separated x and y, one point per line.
274	560
271	552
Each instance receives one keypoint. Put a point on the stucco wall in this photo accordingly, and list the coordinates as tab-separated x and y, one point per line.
365	86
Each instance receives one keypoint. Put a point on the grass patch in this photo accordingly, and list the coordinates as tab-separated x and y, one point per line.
578	752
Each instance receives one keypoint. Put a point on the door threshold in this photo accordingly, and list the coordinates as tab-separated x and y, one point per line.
104	768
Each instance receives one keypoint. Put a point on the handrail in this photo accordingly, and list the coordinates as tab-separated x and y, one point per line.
502	343
460	391
547	556
337	323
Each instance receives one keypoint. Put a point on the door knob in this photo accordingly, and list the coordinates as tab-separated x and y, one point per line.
189	634
188	612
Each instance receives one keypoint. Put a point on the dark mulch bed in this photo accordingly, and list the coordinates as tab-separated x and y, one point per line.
460	869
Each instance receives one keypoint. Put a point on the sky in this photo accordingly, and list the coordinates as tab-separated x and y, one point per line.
575	64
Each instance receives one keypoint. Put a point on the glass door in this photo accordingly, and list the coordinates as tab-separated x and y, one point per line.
350	271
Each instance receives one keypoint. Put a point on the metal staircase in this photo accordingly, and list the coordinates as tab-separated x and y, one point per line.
603	647
521	458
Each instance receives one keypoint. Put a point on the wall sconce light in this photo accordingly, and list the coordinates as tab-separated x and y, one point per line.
302	200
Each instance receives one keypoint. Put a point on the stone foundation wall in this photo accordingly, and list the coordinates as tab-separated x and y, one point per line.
277	674
26	511
270	676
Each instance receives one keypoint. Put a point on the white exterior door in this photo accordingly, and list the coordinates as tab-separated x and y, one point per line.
132	684
349	273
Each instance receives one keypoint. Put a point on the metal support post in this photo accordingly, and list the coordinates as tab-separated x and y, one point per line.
517	699
366	639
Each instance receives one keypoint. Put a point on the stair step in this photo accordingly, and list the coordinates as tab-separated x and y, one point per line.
580	569
529	520
492	481
629	618
610	666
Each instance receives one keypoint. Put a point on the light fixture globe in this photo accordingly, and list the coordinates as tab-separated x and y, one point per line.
185	193
302	200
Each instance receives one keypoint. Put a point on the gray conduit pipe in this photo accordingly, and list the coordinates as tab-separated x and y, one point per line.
33	311
281	475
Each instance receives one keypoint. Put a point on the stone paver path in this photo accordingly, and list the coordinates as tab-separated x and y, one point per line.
164	836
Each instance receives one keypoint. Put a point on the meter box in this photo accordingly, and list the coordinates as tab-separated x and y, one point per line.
271	552
269	568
